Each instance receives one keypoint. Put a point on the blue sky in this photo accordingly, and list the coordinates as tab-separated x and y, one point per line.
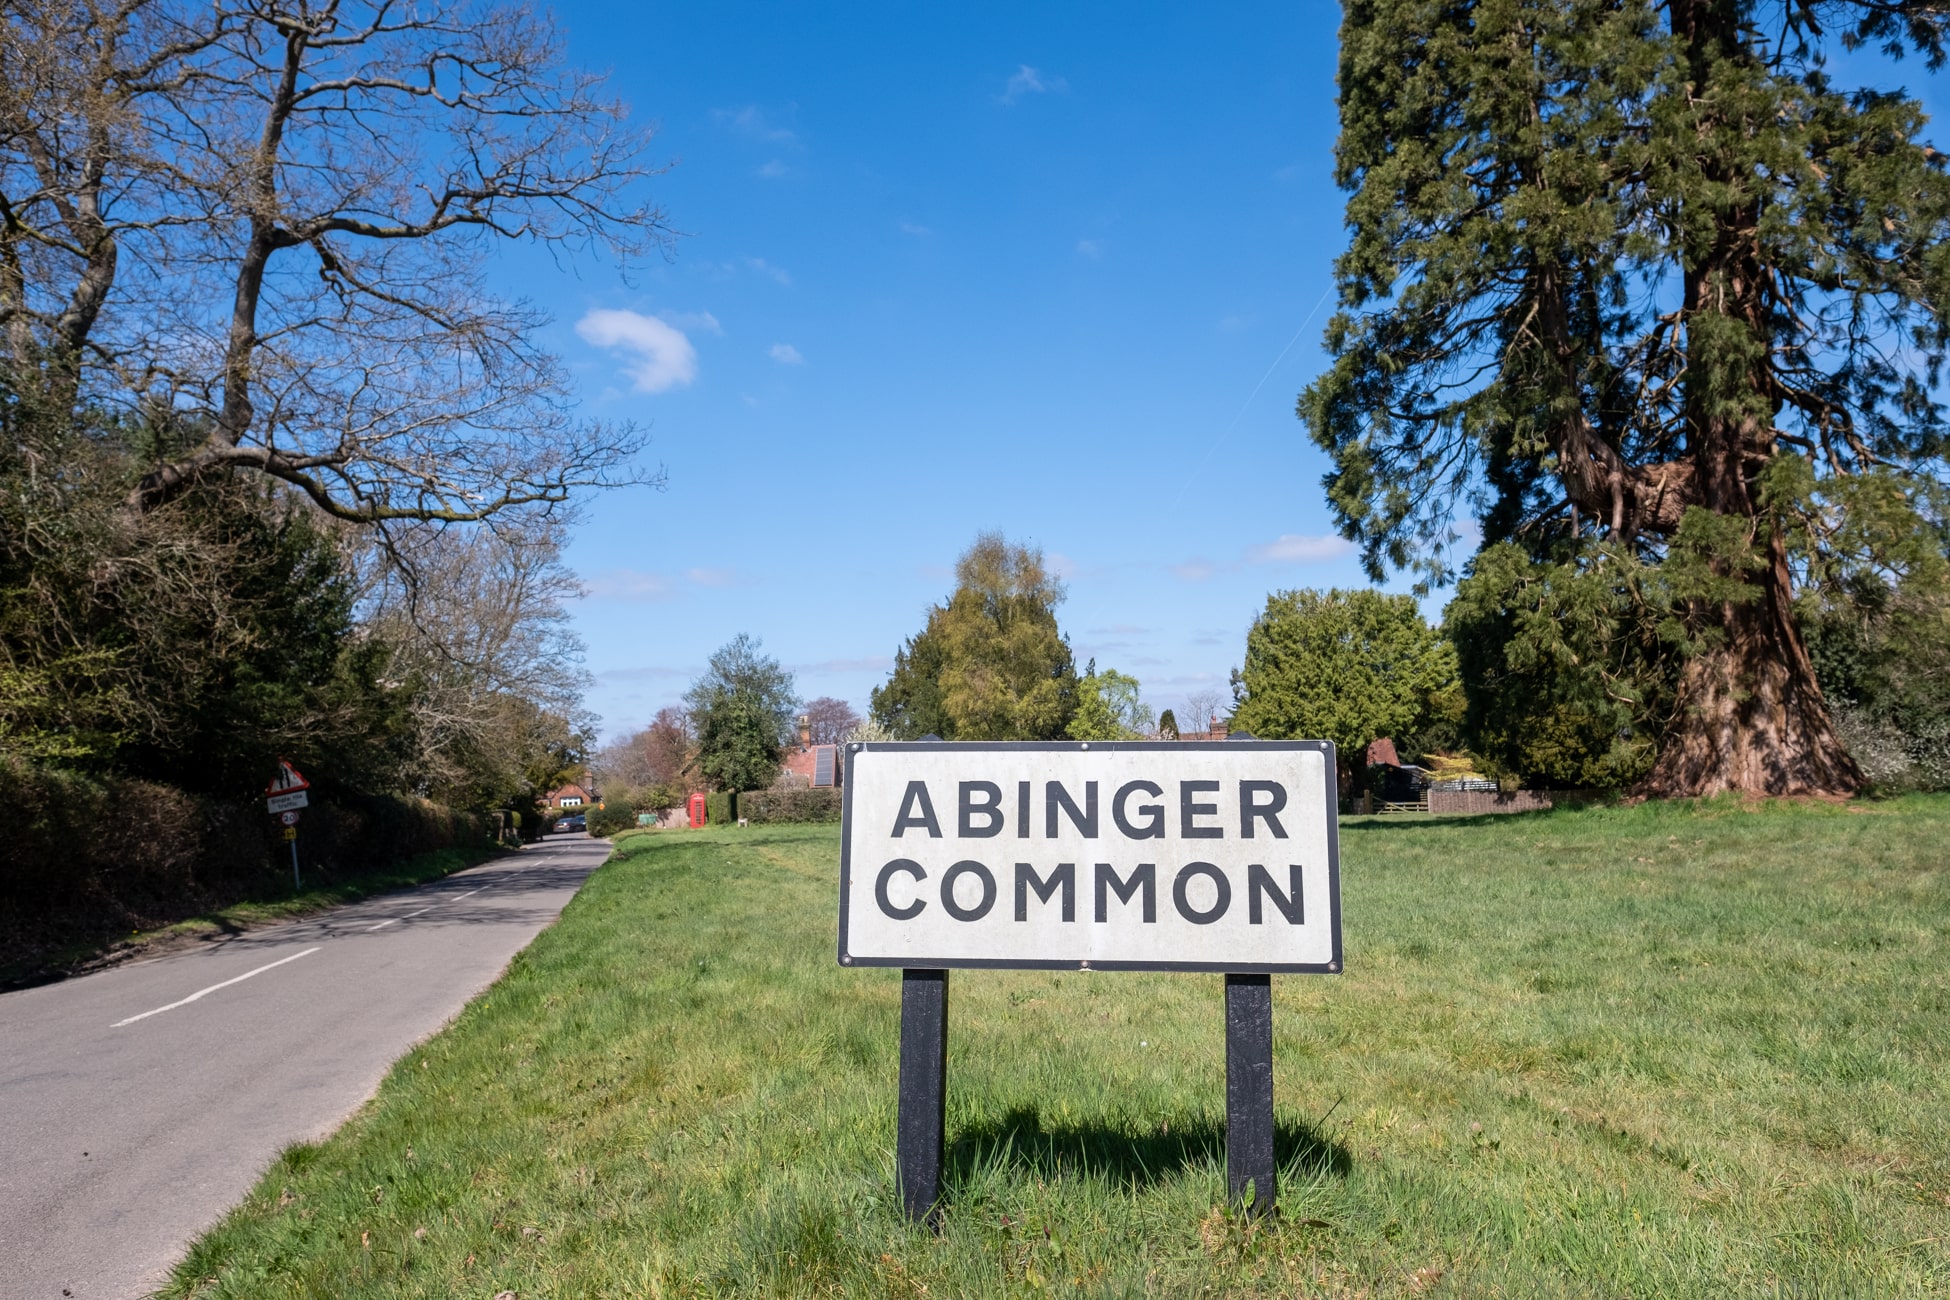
1024	269
1054	270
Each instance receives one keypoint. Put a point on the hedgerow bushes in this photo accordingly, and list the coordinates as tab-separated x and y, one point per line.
107	855
815	804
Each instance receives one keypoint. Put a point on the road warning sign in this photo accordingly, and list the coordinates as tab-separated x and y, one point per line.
287	789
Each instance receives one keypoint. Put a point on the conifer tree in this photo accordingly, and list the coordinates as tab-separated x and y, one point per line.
1639	284
991	663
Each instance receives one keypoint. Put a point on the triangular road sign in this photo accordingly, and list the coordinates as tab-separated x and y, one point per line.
287	780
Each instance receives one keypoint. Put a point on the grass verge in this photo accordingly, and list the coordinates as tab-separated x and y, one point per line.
1660	1051
247	914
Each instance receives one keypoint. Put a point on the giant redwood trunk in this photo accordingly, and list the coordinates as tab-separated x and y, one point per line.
1751	717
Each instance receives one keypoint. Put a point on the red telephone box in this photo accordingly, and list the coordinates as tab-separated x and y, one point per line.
697	810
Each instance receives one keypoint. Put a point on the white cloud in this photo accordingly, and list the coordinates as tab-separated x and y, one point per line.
786	355
1030	81
644	673
629	584
764	267
750	120
919	232
1193	570
642	586
869	664
666	359
1090	248
1296	548
1062	565
774	169
692	320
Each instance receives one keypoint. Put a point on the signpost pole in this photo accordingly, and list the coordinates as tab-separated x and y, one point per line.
1249	1091
923	1093
295	886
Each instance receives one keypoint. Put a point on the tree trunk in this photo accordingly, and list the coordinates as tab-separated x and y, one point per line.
1751	717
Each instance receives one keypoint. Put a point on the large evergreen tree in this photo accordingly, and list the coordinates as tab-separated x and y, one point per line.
743	709
1345	666
1638	282
991	663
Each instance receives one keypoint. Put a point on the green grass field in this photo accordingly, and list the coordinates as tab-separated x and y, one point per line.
1662	1051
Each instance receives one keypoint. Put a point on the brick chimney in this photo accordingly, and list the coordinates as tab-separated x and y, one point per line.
805	731
1219	729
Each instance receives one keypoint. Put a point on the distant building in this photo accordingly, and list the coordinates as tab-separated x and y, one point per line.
1392	780
807	764
570	796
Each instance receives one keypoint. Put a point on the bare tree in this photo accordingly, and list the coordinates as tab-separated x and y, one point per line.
831	720
662	754
1202	707
475	622
257	228
621	765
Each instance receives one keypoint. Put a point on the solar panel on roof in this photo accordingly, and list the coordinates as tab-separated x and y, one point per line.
823	765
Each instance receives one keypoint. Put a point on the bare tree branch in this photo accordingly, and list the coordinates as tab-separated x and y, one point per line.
266	221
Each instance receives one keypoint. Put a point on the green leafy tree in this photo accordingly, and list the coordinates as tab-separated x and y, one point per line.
1878	626
991	663
742	709
1109	707
191	645
1640	273
908	704
1345	666
1570	669
1168	725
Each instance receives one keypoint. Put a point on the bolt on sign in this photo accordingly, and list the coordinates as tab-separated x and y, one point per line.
1147	855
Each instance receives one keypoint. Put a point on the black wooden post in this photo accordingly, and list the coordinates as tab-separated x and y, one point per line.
1249	1090
924	1093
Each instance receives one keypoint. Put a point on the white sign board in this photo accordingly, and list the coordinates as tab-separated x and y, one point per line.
1140	855
280	802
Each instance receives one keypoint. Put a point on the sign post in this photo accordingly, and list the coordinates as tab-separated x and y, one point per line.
1142	855
923	1093
285	796
1249	1092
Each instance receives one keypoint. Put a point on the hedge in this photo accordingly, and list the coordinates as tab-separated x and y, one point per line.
97	851
721	809
815	804
616	816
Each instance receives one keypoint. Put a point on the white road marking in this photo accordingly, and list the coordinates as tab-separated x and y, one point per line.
428	908
183	1002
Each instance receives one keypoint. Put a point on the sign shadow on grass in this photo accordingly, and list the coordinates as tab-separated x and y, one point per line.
1021	1139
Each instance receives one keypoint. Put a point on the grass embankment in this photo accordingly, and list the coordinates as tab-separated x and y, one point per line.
1662	1051
266	908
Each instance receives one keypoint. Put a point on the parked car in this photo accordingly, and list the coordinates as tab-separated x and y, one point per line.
571	825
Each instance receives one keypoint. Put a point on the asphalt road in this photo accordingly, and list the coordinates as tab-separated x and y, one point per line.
138	1104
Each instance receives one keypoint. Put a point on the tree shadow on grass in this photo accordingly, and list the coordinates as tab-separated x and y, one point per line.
1022	1139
